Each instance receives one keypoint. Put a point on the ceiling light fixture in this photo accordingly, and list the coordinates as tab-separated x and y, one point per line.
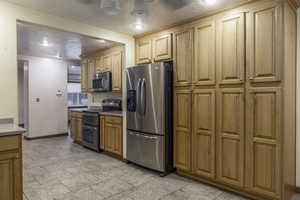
111	7
138	26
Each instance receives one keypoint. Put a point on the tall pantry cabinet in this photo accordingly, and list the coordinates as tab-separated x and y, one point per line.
234	104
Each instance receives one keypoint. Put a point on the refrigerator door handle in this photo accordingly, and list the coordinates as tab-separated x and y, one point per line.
138	97
143	97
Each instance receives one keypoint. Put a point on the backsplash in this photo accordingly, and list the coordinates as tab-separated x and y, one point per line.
96	98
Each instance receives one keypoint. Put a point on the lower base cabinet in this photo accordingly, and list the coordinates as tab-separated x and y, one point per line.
111	139
76	126
11	187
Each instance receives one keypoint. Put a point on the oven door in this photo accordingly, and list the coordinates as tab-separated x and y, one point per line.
90	137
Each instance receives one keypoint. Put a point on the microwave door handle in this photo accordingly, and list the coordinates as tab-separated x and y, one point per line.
138	97
143	97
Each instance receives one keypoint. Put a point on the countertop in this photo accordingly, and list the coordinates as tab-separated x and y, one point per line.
7	127
108	113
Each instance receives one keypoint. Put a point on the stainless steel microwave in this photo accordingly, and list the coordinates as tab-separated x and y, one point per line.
102	82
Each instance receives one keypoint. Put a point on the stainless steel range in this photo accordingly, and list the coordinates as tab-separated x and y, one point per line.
91	122
90	130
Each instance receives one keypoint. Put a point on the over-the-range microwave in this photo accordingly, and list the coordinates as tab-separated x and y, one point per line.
102	82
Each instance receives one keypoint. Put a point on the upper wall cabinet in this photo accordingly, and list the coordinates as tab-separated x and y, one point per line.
143	51
154	48
183	57
84	76
265	43
204	70
107	62
99	64
117	71
162	49
91	73
111	60
231	49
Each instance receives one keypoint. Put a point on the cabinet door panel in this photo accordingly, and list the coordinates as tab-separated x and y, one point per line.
91	73
102	132
231	136
204	70
265	43
118	140
107	63
74	128
231	49
117	71
84	76
79	129
162	47
203	138
182	130
263	141
7	180
99	64
110	136
143	51
183	59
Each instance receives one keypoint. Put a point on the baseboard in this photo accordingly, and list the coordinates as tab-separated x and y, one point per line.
45	136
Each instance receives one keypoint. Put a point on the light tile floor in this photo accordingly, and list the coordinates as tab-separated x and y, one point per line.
57	169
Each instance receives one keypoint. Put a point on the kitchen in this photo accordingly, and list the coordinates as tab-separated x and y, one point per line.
224	122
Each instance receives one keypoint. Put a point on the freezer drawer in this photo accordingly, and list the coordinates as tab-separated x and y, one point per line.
146	150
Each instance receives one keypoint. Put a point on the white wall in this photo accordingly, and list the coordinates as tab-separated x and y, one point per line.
298	103
47	76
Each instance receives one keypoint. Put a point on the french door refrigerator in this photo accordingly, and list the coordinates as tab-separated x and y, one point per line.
149	116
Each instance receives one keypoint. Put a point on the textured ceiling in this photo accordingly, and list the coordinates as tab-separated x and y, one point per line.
68	46
157	13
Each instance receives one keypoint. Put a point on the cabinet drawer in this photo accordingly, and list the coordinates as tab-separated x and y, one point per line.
9	143
76	114
113	120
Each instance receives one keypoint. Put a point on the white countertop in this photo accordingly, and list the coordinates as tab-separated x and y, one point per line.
8	128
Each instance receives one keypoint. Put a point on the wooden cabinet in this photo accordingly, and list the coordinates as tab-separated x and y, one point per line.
102	131
162	47
143	51
231	49
117	71
203	138
107	63
182	129
113	134
99	64
204	69
91	73
11	183
154	48
76	126
265	43
230	137
84	76
263	141
108	60
183	57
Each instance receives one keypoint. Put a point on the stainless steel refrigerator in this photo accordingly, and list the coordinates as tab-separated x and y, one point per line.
149	116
